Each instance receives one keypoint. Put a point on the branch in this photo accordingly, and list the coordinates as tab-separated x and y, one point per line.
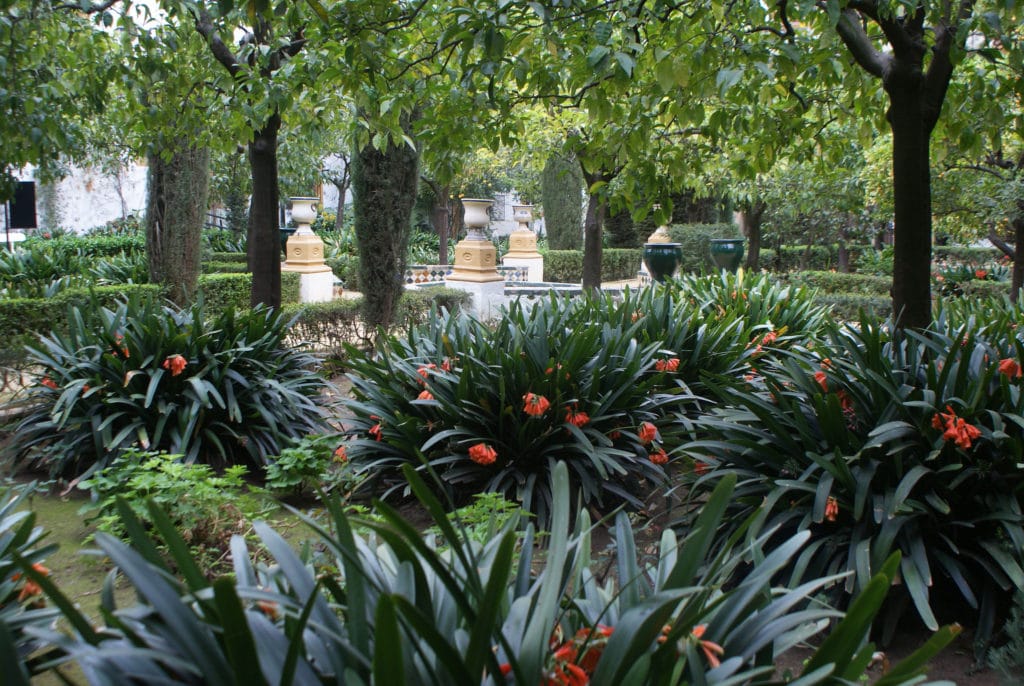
940	71
221	52
859	44
1003	246
92	9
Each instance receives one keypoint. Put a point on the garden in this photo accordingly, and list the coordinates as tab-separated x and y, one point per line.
240	443
684	481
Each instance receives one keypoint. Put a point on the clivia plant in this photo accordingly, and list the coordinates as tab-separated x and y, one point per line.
223	390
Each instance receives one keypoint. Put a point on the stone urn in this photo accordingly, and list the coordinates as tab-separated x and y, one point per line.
727	253
304	214
476	217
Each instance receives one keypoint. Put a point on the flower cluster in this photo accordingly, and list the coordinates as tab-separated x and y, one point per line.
669	365
483	454
955	429
31	588
1009	367
573	661
535	405
175	364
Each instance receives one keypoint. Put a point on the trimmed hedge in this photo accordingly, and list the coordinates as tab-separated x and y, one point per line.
73	246
219	267
224	290
968	255
229	257
329	326
21	316
840	283
566	266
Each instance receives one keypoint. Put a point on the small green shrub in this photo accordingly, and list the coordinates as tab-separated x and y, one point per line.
291	285
207	508
303	466
876	262
346	270
224	241
154	377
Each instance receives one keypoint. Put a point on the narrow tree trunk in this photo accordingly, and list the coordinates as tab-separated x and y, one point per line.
264	238
175	208
339	216
912	245
593	226
1017	280
750	226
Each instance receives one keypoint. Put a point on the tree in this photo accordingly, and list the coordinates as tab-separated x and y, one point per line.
561	192
384	187
270	42
55	72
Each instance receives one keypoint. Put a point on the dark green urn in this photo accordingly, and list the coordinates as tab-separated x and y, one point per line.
662	259
727	253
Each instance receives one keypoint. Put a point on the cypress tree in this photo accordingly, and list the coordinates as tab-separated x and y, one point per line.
561	186
384	192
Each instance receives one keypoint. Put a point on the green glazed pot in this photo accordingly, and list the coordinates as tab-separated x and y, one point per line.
662	259
727	253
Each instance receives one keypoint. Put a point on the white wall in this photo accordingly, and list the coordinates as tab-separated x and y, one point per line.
87	198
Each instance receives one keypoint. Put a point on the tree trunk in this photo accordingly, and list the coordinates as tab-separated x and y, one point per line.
843	256
264	238
593	226
912	218
175	208
750	225
339	216
384	185
1017	280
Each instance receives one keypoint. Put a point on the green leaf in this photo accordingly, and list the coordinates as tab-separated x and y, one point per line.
388	665
238	641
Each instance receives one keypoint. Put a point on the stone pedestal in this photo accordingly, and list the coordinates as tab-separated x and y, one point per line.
488	296
522	245
476	261
305	255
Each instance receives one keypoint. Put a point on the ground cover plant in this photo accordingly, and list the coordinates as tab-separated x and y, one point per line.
224	389
389	608
879	442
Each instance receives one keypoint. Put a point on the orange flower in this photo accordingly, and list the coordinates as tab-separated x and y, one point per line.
49	383
269	608
1010	367
175	363
341	455
700	467
483	454
980	274
535	405
712	651
575	418
425	395
769	338
955	429
647	433
424	371
636	315
446	365
377	430
670	365
31	588
831	509
822	380
826	363
615	434
659	456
